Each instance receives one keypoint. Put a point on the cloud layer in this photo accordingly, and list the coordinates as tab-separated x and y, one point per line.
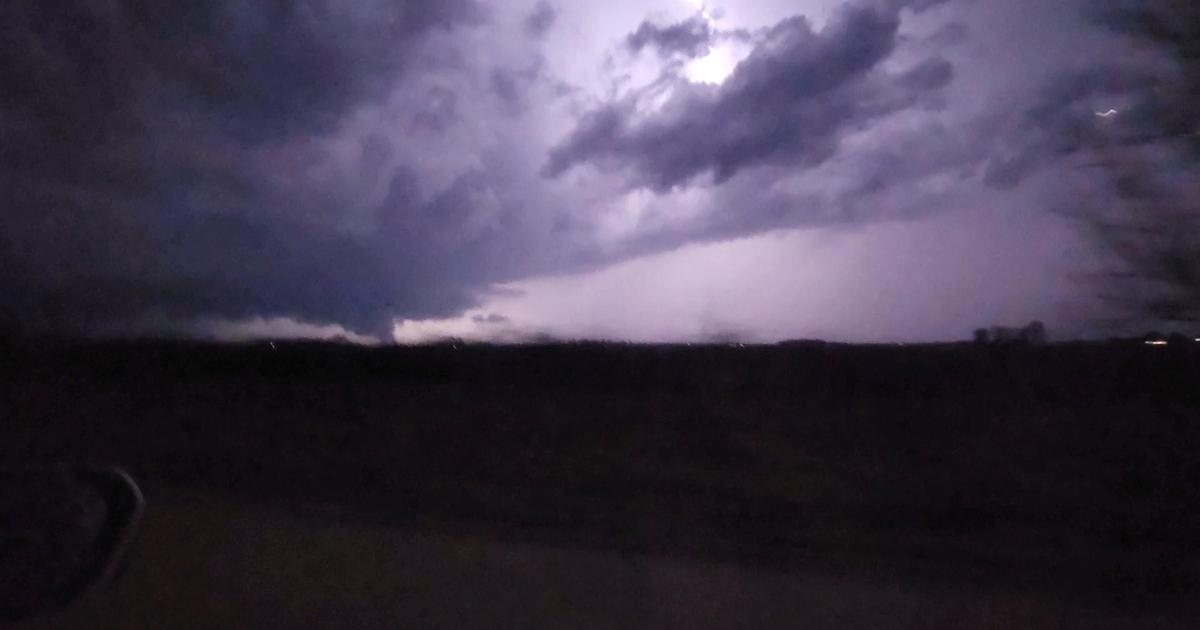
789	103
355	164
151	155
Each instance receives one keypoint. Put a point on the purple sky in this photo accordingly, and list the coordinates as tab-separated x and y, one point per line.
872	170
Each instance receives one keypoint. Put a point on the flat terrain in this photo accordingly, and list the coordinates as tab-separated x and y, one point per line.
1067	474
209	562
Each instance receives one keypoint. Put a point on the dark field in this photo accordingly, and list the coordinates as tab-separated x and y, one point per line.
1067	469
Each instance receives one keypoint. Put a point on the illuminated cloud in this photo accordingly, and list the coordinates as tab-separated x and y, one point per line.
789	103
374	165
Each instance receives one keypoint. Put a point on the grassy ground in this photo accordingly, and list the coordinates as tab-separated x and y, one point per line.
1072	469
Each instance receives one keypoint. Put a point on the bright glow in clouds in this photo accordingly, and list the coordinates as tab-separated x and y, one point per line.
476	325
720	62
280	328
716	66
698	5
842	285
935	277
506	142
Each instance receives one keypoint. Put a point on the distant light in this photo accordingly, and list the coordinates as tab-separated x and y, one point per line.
1158	343
1108	114
272	345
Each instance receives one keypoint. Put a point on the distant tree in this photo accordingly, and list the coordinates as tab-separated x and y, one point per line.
1034	334
982	336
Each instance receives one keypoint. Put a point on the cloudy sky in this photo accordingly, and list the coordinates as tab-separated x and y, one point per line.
863	170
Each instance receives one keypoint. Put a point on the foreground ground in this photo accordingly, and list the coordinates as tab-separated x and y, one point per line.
212	562
1070	472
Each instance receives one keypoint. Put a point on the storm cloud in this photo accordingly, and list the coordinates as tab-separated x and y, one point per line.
691	38
1101	112
789	103
147	150
356	164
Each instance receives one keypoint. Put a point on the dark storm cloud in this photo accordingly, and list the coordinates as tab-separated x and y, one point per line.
789	103
261	69
541	19
504	86
1170	23
929	75
691	38
1062	120
512	87
1172	26
143	143
1145	104
349	162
